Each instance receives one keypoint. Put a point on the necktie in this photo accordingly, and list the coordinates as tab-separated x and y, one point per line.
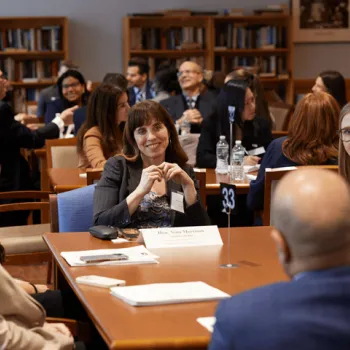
191	103
139	96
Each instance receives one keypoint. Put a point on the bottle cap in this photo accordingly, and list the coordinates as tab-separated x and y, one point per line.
238	142
222	137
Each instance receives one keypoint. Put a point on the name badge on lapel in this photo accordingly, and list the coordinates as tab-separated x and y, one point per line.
177	202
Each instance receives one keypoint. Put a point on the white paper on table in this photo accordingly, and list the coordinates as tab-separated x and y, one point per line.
287	168
168	293
119	240
207	322
250	168
83	175
136	255
174	237
251	177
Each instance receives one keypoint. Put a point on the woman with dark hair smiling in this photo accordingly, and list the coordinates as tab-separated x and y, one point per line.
100	136
253	130
136	186
333	83
312	140
73	94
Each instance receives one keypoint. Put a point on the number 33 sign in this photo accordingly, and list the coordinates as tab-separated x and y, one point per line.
228	198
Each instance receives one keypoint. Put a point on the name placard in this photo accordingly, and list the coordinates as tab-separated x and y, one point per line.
174	237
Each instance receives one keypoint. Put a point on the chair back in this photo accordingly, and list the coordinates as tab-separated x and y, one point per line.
201	176
93	175
62	153
36	200
272	176
281	114
189	143
72	211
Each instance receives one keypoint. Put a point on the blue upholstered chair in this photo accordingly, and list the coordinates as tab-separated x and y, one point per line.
72	211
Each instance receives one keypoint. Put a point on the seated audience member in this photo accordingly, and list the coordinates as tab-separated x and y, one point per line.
253	130
51	93
312	140
139	84
333	83
15	171
165	84
115	79
73	93
344	142
22	321
100	136
135	187
254	83
190	106
312	233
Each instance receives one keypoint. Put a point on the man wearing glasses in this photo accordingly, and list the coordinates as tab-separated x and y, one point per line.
190	106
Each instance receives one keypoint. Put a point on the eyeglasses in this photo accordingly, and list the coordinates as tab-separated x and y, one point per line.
344	134
73	85
187	72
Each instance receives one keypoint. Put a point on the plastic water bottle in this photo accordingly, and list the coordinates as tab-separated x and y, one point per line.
222	156
237	170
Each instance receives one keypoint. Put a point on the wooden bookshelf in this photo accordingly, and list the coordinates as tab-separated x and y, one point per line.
31	49
267	43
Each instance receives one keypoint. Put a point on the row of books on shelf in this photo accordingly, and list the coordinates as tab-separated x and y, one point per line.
230	36
22	98
267	67
48	38
30	71
166	39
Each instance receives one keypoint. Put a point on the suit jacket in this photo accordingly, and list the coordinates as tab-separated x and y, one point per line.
274	158
177	105
255	134
15	172
47	95
311	312
79	118
22	321
120	178
132	96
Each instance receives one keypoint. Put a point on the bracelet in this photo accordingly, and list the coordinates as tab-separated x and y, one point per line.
34	286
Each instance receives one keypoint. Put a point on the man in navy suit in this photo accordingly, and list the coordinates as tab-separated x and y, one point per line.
312	233
139	84
190	106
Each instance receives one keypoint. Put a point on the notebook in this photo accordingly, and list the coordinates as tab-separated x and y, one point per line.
168	293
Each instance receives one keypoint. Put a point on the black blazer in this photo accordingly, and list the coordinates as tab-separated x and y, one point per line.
177	105
15	172
132	96
255	133
120	178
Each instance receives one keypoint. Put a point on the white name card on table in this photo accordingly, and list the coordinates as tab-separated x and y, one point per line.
175	237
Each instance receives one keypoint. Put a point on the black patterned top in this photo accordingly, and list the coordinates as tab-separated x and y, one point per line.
153	211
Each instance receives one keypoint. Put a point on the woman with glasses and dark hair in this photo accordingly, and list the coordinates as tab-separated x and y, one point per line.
312	140
136	186
333	83
344	142
251	129
73	94
254	83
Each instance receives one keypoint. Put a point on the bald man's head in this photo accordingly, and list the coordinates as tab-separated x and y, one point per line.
311	211
190	75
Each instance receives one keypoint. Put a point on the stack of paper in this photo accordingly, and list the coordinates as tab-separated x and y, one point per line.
168	293
136	255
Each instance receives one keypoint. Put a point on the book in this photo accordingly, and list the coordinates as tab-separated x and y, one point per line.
168	293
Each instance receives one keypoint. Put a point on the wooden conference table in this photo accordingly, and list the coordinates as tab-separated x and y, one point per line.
70	178
168	326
